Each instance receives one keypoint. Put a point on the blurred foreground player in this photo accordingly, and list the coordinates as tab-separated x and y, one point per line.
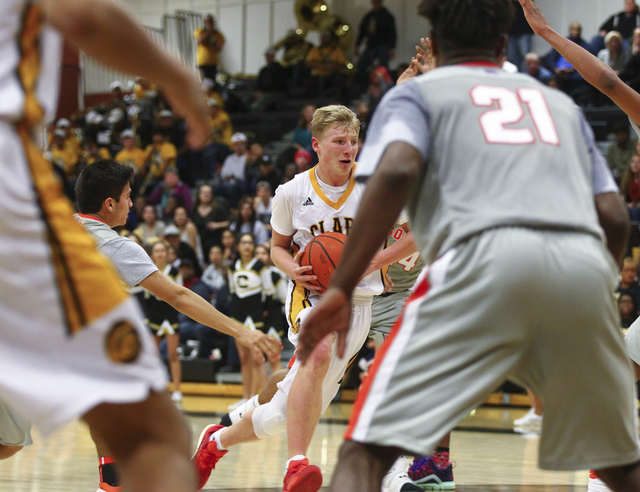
522	224
71	342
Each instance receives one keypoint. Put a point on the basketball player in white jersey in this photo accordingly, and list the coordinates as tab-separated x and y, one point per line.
520	220
322	199
71	341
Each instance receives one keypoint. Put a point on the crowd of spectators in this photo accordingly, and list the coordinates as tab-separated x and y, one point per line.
198	203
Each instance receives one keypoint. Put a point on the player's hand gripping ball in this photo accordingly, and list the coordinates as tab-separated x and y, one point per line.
323	254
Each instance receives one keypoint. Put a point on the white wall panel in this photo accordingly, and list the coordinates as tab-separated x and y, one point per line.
259	26
231	22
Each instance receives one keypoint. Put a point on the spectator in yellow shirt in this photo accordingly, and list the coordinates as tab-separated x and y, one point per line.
131	155
159	155
210	42
63	155
326	63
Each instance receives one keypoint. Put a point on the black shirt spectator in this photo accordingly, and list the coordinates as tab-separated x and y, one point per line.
378	26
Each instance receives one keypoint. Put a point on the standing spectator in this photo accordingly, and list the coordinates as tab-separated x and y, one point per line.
326	63
250	284
163	318
272	84
614	54
378	27
620	152
210	216
232	172
210	42
248	223
520	36
536	70
171	186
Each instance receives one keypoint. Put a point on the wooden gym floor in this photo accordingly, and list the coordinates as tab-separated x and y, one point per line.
488	455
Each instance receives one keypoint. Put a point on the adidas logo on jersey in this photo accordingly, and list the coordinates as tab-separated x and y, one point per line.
308	202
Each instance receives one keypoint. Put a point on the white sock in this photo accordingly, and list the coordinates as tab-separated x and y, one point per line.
216	436
237	413
297	457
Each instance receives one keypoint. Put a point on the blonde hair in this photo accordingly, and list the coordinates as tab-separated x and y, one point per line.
328	116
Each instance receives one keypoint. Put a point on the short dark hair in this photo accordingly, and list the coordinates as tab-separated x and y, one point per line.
468	24
103	179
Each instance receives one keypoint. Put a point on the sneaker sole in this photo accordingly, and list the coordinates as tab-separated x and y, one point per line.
309	480
437	486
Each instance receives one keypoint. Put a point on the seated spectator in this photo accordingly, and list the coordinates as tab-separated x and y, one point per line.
302	131
64	156
71	140
210	216
188	232
624	22
264	204
151	228
208	339
629	281
614	54
363	112
634	46
272	84
568	79
379	83
290	170
268	172
255	154
620	152
117	99
302	159
248	223
536	70
293	59
171	186
229	248
91	153
630	189
183	250
326	63
233	171
159	155
627	310
131	155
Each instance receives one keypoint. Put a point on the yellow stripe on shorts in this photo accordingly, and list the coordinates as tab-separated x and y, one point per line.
299	301
88	284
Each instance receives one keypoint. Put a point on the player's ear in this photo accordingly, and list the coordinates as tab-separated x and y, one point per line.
314	144
501	47
108	204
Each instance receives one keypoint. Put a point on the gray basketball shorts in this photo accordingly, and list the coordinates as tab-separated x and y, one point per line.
385	311
532	306
14	430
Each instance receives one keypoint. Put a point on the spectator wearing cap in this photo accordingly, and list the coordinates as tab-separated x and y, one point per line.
272	84
267	172
159	155
173	128
131	155
62	155
183	250
91	153
171	186
302	159
233	171
220	122
255	154
210	43
71	140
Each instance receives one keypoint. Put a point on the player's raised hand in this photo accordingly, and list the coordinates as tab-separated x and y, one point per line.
421	63
332	314
260	344
302	275
534	16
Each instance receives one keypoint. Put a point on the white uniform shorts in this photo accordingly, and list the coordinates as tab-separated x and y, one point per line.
71	337
532	306
14	430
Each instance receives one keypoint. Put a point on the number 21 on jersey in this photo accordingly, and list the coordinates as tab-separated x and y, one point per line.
510	110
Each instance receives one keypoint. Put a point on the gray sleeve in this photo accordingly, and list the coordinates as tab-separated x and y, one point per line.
602	179
402	116
131	261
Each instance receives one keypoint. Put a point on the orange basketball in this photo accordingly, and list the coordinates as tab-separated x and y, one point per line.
323	254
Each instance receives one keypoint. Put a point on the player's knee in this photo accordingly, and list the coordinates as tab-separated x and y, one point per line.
320	358
268	420
8	451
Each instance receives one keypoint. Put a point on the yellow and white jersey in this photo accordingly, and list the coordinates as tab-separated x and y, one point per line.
20	22
306	207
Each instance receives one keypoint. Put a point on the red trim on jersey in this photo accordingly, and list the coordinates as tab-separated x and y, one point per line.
106	460
420	291
291	361
92	217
